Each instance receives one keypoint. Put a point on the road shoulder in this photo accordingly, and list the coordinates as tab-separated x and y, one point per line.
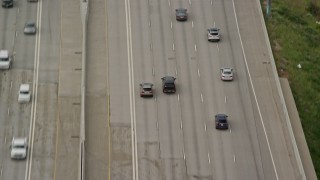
297	130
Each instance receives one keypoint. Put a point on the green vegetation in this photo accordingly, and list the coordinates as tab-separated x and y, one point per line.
295	38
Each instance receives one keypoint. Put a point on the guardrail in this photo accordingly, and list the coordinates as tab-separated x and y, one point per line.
283	103
84	17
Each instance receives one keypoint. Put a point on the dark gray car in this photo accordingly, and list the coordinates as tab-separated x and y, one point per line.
168	85
181	14
7	3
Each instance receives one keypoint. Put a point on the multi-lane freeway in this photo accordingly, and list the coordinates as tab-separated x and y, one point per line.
174	136
168	136
36	62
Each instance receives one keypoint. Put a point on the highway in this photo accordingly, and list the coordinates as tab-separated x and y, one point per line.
174	136
35	61
169	136
15	117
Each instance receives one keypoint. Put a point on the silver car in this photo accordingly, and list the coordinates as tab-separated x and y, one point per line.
146	90
30	28
226	74
213	34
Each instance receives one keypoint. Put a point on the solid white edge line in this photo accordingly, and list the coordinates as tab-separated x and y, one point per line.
131	92
254	93
35	94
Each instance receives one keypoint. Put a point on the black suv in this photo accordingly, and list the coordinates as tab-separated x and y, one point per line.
168	85
221	121
7	3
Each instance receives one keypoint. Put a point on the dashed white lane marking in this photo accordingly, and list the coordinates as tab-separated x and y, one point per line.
201	97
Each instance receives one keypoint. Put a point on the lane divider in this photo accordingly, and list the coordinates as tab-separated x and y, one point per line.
131	93
34	97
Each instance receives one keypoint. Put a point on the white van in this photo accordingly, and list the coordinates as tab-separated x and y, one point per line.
5	59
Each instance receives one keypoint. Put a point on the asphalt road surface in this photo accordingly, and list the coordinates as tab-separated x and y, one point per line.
15	117
174	136
128	137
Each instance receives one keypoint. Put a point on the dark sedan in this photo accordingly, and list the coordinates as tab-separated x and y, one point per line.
221	121
181	14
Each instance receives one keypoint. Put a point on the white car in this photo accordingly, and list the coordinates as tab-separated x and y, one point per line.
30	28
24	93
213	34
5	59
19	148
226	74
